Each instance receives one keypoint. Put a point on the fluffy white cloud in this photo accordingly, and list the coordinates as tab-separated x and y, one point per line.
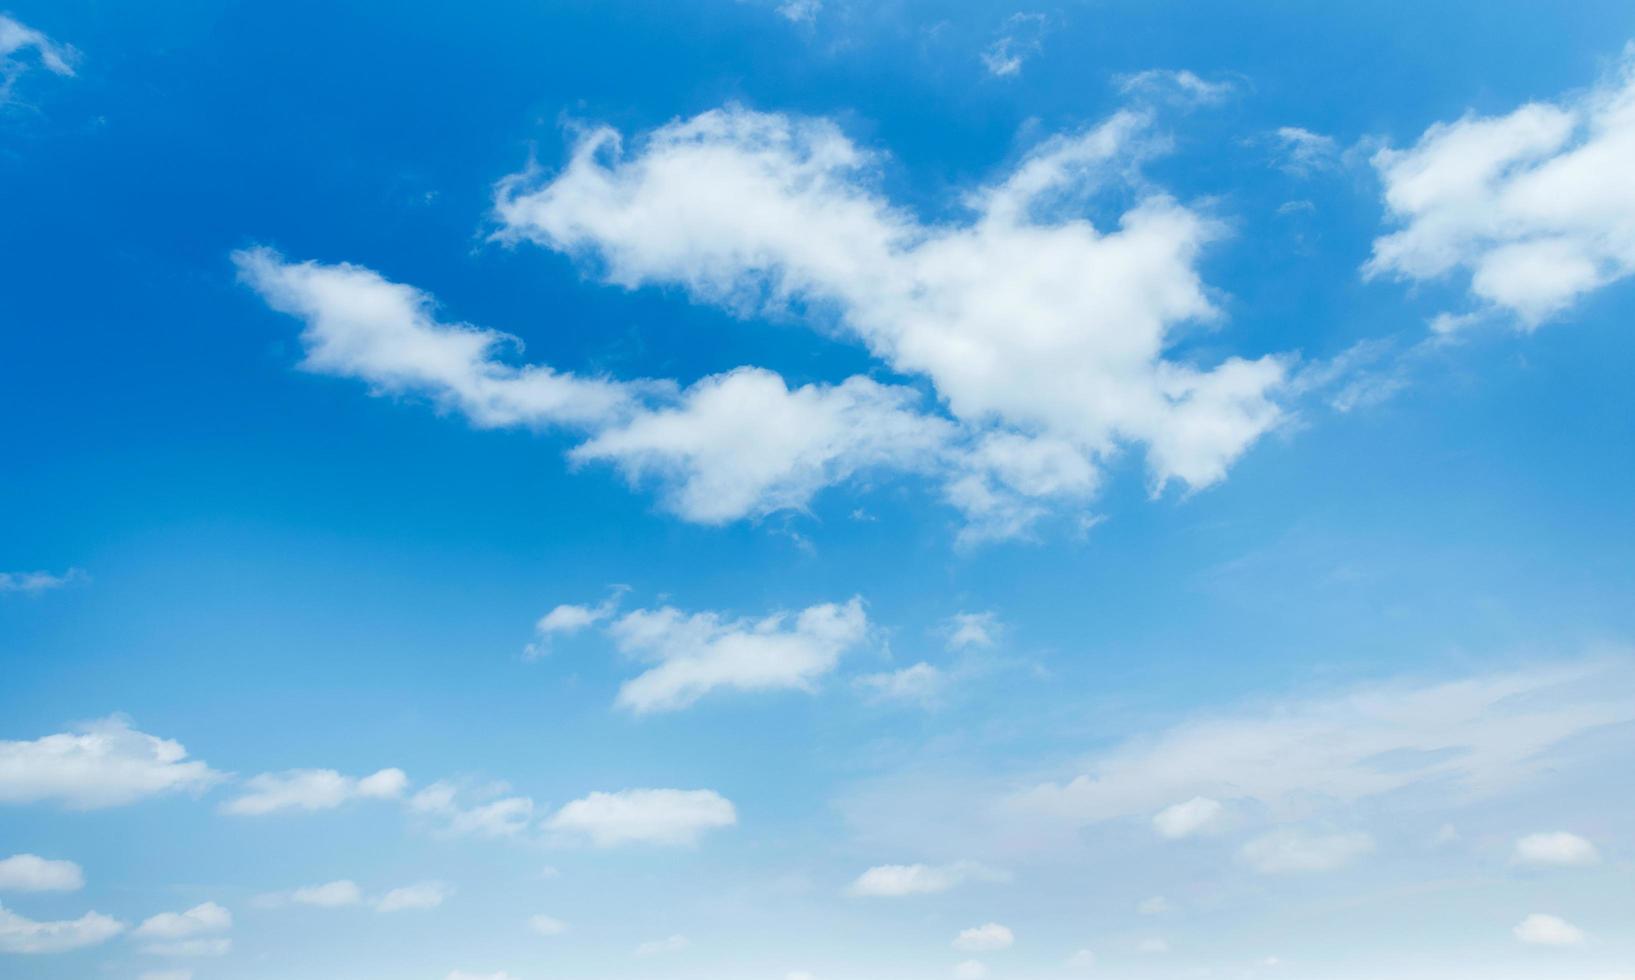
507	816
1293	851
973	630
1548	930
567	619
195	932
1559	848
899	880
1533	205
424	895
1030	322
1470	737
102	764
671	944
17	38
546	925
1186	819
645	816
702	652
33	583
32	873
983	938
20	935
312	789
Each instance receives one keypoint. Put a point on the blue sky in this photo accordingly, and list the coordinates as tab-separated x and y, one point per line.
816	491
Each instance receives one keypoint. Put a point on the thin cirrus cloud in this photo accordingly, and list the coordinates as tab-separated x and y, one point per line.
23	935
1533	206
312	789
763	212
32	873
34	583
672	817
329	895
17	42
104	763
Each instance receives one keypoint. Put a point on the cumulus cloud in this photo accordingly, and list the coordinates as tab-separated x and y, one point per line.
1467	738
921	683
312	789
424	895
693	655
1533	206
32	873
20	935
1548	930
1294	851
645	816
1048	339
900	880
1187	819
196	932
567	619
1558	848
983	938
101	764
34	583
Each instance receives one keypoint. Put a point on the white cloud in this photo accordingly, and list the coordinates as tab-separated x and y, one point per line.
196	921
16	38
1082	959
424	895
973	630
1021	37
899	880
312	789
970	970
507	816
672	944
702	652
1180	86
983	938
1305	152
645	816
33	583
1532	205
20	935
1293	851
800	11
1186	819
921	683
568	619
184	934
1548	930
546	925
1466	738
32	873
1044	336
1559	848
330	895
102	764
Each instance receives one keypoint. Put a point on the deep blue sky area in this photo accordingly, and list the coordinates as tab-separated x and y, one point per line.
291	570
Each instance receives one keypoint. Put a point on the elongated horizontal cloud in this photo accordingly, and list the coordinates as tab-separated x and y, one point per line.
1559	848
1536	206
901	880
102	764
33	583
1470	737
420	896
329	895
703	652
1294	851
20	935
32	873
1027	316
312	789
645	816
984	938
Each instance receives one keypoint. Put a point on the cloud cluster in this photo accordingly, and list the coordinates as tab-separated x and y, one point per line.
101	764
1535	205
